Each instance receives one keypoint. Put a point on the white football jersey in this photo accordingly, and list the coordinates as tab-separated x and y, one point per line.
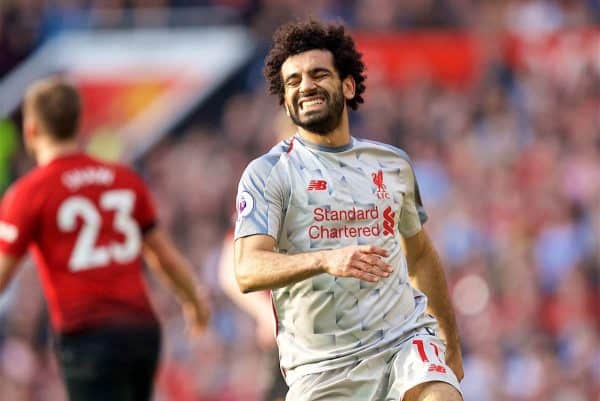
309	198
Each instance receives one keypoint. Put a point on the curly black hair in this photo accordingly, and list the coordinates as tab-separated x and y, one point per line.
300	36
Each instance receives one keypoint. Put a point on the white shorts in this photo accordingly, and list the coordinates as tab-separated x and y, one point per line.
382	377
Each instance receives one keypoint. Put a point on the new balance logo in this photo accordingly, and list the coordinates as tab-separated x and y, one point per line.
436	368
317	185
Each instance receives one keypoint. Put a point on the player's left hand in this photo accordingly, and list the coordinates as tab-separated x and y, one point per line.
454	361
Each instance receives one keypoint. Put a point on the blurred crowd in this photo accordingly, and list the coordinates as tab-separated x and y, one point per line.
25	24
509	170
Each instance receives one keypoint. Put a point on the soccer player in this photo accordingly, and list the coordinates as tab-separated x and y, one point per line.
87	224
321	219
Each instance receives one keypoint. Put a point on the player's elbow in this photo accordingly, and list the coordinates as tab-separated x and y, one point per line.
245	279
242	270
245	289
244	282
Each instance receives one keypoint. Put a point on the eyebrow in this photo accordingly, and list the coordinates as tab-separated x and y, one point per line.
312	71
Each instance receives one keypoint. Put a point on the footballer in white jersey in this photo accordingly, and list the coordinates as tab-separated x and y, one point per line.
321	221
310	198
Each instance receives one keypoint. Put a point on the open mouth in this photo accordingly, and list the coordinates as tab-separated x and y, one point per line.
311	102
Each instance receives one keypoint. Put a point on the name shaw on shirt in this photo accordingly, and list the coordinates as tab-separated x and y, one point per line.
375	222
77	178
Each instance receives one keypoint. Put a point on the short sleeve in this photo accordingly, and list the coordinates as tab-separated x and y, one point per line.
260	199
145	211
17	221
412	215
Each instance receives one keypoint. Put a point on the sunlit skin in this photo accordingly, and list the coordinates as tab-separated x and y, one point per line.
315	97
37	141
31	127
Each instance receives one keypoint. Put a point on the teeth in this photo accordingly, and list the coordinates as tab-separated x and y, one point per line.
308	103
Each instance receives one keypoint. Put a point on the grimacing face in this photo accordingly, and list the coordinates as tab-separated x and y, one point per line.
314	96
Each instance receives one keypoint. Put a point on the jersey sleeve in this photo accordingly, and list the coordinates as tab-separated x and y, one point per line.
17	220
412	215
145	211
260	200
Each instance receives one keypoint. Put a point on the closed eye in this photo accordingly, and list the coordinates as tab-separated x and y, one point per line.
320	74
292	80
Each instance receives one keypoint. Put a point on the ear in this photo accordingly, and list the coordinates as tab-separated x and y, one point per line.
349	87
30	129
287	111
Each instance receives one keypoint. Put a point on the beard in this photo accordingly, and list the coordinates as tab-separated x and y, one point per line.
320	122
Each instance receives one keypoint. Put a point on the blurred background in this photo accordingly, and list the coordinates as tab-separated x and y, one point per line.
497	102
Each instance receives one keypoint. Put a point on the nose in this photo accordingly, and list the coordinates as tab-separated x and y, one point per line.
307	83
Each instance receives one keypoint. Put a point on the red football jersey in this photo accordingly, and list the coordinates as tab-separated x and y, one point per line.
84	220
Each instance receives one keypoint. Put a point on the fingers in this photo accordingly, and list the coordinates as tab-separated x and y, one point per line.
454	361
194	333
196	328
457	368
374	249
365	262
376	262
363	275
197	317
458	372
371	269
202	319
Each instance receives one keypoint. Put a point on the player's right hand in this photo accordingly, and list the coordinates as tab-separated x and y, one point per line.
364	262
197	315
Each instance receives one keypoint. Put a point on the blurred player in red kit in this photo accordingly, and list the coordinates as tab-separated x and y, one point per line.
88	223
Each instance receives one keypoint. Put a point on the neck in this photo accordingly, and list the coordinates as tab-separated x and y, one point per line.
51	150
340	136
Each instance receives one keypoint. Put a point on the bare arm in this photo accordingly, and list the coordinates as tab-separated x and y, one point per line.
169	265
256	304
8	266
259	267
427	275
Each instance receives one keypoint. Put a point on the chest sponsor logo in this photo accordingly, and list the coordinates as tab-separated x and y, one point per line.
381	188
317	185
389	217
352	223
